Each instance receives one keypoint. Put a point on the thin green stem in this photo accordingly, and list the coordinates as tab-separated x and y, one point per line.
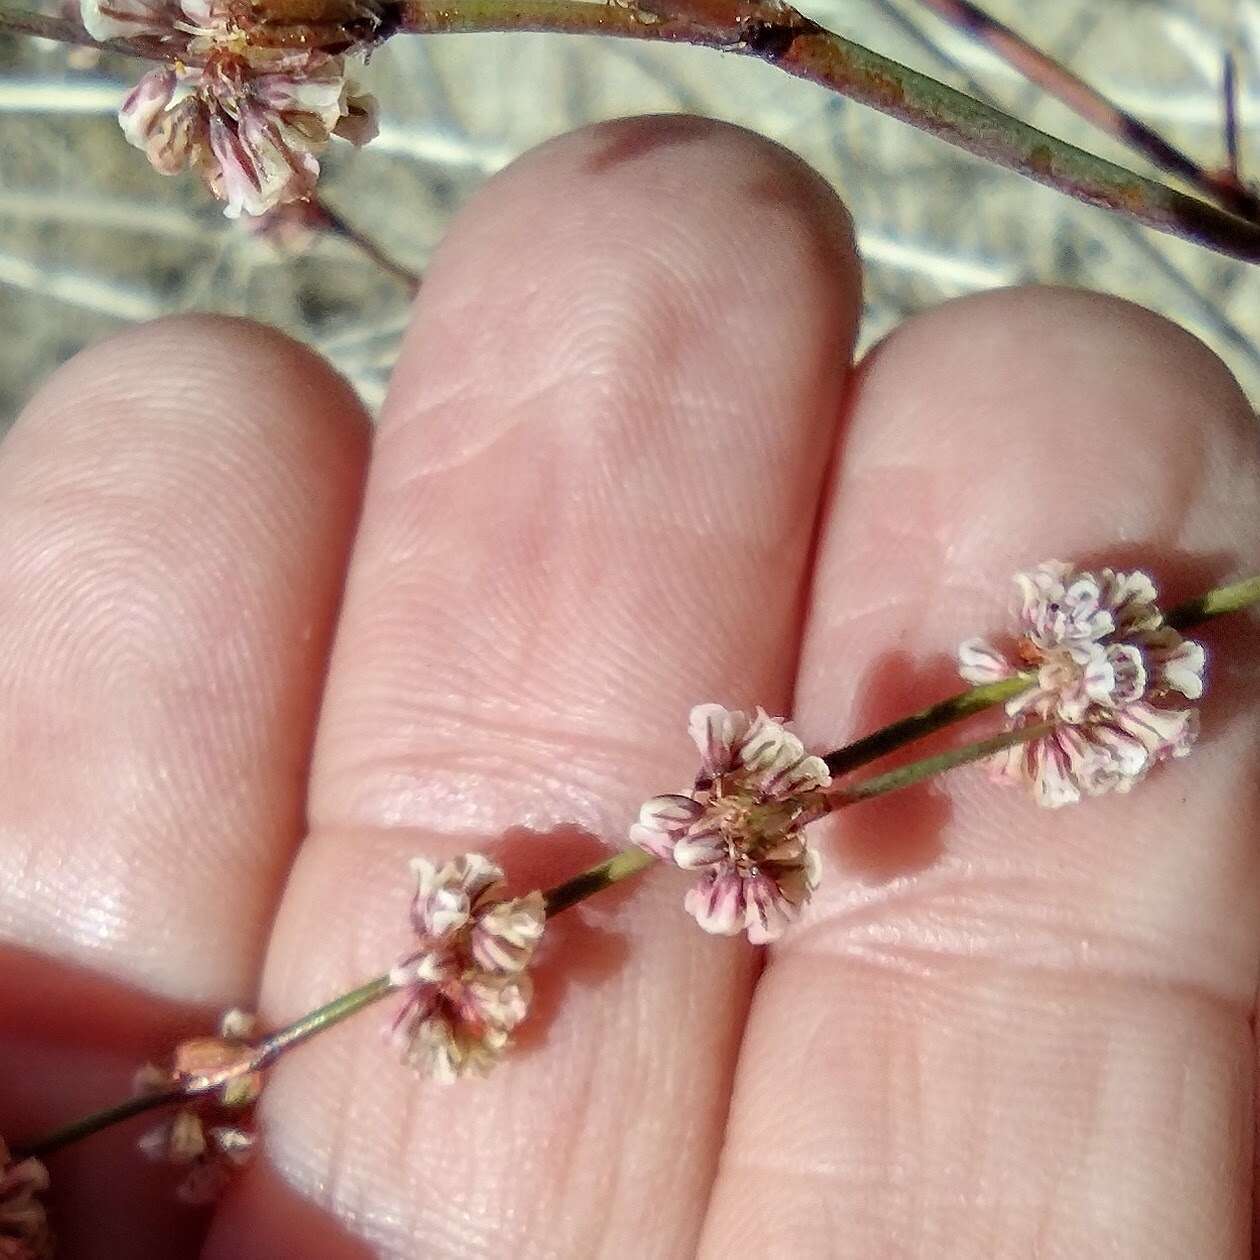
917	771
618	867
82	1128
630	862
272	1047
1216	603
936	716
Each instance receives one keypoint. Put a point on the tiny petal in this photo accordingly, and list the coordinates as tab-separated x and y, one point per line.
238	1024
775	762
1129	676
1053	761
696	851
766	913
979	662
662	820
1177	663
178	1140
125	19
504	938
716	732
360	124
1130	598
717	903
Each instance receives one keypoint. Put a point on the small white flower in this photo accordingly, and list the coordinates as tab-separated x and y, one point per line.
742	825
249	119
1110	673
465	986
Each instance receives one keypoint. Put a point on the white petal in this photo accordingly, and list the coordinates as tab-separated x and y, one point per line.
717	903
695	852
125	19
979	662
1053	760
505	936
716	730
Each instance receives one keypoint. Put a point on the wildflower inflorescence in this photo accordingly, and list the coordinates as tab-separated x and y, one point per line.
1099	689
249	118
465	986
24	1232
210	1136
1109	671
742	824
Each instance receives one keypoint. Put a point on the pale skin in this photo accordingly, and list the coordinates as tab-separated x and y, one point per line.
254	662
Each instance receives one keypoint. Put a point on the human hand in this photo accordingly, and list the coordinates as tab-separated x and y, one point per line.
624	467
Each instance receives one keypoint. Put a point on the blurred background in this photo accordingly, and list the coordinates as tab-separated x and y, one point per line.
91	239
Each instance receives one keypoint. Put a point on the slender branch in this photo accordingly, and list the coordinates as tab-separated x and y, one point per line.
273	1046
917	771
630	862
1215	603
941	714
778	34
1056	79
334	222
98	1120
618	867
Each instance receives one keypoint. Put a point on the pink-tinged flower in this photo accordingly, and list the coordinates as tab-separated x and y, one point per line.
465	986
1109	671
24	1232
741	825
249	119
208	1138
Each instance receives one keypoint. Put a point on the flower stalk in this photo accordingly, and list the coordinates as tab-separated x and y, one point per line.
633	861
774	32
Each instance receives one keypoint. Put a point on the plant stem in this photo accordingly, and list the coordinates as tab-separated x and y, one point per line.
917	771
775	32
273	1046
98	1120
907	729
618	867
1216	603
1090	104
630	862
335	223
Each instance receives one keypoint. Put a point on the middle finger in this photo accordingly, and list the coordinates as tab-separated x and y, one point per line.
591	505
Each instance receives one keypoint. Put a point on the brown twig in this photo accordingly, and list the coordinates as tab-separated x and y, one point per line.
776	33
1056	79
334	222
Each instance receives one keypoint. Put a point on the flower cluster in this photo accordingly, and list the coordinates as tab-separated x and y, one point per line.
24	1232
742	824
249	119
209	1138
465	987
1110	672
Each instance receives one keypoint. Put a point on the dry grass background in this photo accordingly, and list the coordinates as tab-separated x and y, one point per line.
91	239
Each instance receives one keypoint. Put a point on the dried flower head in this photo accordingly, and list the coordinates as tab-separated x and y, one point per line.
208	1138
249	119
24	1232
465	987
1109	670
742	825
